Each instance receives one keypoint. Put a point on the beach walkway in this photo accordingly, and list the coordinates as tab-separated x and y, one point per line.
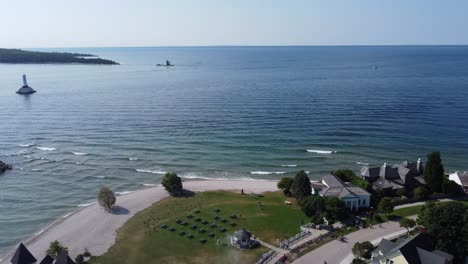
95	229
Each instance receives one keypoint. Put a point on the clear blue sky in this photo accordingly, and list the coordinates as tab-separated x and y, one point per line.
104	23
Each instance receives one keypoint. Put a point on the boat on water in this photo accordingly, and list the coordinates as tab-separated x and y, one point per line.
168	64
25	89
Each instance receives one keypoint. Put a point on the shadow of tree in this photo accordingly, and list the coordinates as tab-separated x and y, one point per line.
118	210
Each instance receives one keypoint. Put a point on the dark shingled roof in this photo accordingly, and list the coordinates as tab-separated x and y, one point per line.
63	258
23	256
243	234
47	260
334	186
416	250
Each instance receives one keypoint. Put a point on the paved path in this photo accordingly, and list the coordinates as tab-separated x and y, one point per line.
94	229
336	252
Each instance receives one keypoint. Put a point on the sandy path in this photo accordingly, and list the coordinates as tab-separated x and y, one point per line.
94	229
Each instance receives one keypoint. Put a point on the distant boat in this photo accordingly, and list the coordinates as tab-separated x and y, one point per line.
168	64
25	89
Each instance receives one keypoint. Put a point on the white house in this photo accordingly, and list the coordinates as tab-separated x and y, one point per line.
461	178
332	186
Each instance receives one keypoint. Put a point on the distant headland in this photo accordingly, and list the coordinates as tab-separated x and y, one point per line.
22	56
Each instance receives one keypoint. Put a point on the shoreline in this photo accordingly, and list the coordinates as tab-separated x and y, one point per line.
93	228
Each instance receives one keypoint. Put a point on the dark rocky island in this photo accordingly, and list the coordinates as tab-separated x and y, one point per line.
4	167
23	56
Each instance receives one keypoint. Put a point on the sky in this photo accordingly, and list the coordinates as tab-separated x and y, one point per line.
133	23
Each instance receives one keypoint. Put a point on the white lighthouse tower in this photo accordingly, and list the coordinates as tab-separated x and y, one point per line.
25	89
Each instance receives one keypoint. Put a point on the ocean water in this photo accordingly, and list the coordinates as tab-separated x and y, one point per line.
222	112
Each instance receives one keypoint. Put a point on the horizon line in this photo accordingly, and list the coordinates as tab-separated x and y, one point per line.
253	46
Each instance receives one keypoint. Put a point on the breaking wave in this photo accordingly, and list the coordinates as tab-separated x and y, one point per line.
26	145
132	159
362	163
79	153
151	171
289	165
124	192
267	172
319	151
46	148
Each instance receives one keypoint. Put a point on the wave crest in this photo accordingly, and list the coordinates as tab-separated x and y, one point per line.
151	171
267	172
46	148
79	153
319	151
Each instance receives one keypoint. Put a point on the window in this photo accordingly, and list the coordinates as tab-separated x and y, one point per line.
389	261
359	202
364	202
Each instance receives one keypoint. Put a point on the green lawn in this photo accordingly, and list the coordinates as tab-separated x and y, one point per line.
143	240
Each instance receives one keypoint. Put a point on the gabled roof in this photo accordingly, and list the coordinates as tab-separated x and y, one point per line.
243	234
416	250
385	246
463	178
23	256
63	258
47	260
337	188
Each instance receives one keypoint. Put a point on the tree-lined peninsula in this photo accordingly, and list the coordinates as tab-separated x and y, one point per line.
23	56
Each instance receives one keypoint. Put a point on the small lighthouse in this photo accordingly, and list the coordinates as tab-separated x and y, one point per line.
25	89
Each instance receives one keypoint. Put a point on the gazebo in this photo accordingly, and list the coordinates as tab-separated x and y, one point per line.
243	239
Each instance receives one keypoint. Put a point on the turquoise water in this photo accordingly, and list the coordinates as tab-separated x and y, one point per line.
222	112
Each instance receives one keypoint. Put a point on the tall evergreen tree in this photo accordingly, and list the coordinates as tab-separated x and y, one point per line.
434	172
301	186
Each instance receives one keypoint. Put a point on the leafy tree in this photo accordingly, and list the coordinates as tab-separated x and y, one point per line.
106	198
172	183
362	250
401	192
407	223
419	192
447	224
313	205
285	184
359	261
301	186
55	247
335	208
434	172
385	205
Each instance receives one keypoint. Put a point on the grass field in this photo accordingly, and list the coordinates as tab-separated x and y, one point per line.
143	240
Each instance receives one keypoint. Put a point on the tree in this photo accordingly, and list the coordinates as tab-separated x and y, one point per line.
362	250
313	205
419	192
359	261
434	172
285	184
55	247
401	192
385	205
407	223
447	224
301	186
106	198
335	208
79	259
172	183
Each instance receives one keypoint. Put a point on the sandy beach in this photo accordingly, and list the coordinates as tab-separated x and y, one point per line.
95	229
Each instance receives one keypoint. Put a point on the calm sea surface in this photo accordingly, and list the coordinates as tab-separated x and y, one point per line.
222	112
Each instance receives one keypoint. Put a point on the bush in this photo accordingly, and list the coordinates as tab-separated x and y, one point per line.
172	183
350	176
420	193
400	192
452	188
106	198
301	186
79	259
285	184
86	253
313	205
362	250
55	248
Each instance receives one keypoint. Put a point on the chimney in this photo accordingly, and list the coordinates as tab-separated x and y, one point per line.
418	164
